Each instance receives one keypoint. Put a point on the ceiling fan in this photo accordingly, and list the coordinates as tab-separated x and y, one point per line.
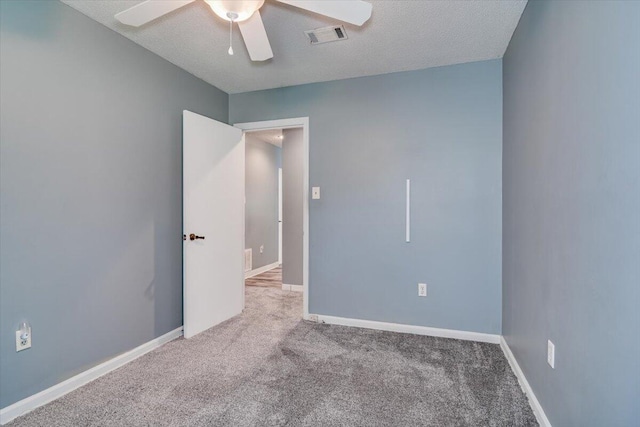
247	15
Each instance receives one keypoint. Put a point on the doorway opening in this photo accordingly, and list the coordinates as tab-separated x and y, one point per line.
264	207
277	205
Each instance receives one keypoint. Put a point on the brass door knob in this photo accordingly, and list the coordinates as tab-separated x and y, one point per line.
194	237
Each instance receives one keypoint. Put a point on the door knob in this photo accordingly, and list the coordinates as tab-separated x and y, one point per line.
194	237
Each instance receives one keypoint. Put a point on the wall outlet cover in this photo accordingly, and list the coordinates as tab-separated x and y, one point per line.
315	193
23	345
422	289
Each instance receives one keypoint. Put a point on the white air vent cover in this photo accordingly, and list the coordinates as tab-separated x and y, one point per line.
327	34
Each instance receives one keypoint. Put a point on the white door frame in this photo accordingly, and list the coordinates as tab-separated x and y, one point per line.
297	122
280	213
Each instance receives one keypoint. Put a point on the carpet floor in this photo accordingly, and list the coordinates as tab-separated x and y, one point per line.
267	367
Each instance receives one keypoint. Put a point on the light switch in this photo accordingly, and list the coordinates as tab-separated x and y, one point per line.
315	193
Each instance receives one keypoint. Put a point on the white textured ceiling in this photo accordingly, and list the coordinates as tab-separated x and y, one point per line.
400	36
271	136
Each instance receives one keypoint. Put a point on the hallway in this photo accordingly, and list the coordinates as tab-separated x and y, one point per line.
271	279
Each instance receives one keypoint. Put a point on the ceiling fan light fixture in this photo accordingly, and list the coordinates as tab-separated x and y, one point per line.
234	10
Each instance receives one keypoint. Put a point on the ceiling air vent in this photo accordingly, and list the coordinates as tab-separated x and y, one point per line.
327	34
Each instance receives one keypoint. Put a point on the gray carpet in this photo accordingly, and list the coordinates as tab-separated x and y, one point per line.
267	367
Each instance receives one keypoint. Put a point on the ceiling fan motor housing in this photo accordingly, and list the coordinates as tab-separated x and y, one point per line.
235	10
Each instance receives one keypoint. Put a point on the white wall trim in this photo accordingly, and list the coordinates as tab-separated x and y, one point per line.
294	288
409	329
261	270
296	122
52	393
524	384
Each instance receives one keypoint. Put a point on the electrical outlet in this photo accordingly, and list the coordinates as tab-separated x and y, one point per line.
551	354
422	289
23	344
262	249
313	318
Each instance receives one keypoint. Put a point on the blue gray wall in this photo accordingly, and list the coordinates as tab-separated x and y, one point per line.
292	209
571	212
262	161
90	184
441	127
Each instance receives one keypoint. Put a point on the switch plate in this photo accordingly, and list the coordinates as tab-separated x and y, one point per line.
315	193
422	289
261	248
551	354
19	345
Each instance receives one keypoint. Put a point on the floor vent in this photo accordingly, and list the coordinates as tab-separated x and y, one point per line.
248	259
327	34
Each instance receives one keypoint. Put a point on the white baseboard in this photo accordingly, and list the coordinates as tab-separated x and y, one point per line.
260	270
32	402
52	393
408	329
524	384
294	288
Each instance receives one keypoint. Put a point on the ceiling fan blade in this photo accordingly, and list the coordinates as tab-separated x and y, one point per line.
149	10
255	38
354	12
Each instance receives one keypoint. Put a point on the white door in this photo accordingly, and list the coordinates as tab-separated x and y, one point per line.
213	222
